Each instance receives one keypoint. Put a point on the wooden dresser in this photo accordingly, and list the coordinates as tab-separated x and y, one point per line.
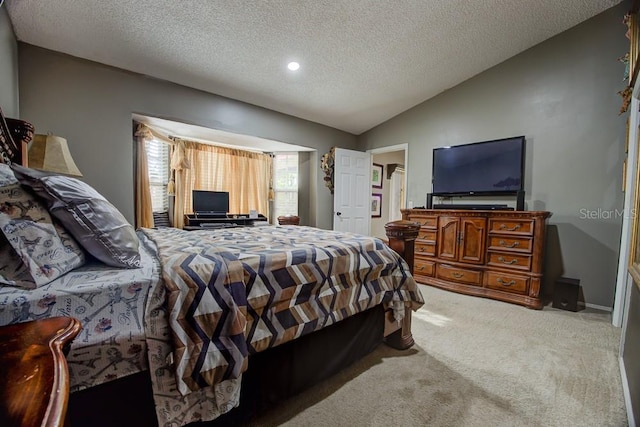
493	254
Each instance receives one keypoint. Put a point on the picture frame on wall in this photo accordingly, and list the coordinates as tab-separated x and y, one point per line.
376	205
376	175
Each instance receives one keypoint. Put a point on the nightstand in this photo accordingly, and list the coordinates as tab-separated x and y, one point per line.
34	378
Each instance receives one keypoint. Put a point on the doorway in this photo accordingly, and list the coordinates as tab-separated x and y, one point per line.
390	193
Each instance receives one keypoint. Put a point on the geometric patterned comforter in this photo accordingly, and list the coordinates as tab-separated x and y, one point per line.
234	292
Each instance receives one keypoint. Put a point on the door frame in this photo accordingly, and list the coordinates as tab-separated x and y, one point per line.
624	280
398	147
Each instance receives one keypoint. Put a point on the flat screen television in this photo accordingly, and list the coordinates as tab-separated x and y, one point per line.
482	168
214	202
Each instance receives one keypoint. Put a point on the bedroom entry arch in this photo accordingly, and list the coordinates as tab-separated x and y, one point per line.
394	161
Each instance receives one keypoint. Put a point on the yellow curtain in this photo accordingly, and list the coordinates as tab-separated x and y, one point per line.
144	215
244	174
179	166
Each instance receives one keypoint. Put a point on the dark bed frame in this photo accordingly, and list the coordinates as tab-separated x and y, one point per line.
273	375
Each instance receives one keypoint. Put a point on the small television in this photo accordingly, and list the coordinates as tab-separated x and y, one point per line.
210	202
481	168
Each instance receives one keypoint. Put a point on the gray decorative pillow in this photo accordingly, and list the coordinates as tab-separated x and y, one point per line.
36	249
95	223
6	175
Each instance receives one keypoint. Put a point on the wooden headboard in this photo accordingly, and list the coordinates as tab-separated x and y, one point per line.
14	136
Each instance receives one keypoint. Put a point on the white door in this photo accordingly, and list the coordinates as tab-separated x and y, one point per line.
352	191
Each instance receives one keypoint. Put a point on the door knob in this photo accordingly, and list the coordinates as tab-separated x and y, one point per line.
338	213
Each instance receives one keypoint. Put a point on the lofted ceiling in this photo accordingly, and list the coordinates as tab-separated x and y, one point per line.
361	61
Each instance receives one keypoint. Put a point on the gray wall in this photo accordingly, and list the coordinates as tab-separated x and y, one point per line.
562	95
90	105
8	67
631	351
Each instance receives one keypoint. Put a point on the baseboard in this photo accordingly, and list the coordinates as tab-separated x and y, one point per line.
599	307
626	393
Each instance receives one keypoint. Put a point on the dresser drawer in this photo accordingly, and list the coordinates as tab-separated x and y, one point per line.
424	220
428	235
422	247
511	226
510	260
457	274
511	243
506	282
423	267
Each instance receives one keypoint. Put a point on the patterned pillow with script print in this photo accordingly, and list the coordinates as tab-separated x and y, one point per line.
42	249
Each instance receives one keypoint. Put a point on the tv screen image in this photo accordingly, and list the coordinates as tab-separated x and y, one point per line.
210	201
482	168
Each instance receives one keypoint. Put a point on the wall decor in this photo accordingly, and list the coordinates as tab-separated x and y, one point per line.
327	165
376	205
632	58
376	175
632	21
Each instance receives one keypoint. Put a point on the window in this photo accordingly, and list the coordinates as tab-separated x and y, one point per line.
285	179
158	165
243	174
285	184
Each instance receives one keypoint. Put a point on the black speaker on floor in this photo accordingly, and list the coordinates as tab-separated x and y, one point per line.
520	201
565	293
429	204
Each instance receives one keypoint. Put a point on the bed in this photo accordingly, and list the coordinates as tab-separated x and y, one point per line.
192	310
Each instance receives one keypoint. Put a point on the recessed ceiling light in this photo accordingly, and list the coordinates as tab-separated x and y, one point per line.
293	66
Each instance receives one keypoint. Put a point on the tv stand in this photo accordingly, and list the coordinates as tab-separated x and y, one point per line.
473	207
210	215
207	222
481	207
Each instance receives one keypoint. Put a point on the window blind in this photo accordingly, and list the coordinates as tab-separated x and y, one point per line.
158	165
285	184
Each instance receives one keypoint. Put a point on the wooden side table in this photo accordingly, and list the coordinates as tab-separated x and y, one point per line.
402	235
34	378
289	220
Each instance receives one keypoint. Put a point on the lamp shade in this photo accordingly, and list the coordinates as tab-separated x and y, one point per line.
51	153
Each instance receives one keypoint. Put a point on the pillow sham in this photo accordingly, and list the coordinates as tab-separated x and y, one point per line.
36	249
95	223
6	175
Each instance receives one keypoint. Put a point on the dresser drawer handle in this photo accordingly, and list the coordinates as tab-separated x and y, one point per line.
504	244
421	268
504	261
514	228
457	275
425	222
503	283
420	249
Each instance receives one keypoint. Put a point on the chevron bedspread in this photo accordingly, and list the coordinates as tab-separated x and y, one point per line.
238	291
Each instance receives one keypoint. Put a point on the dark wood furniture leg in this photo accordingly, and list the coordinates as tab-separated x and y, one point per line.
34	378
402	235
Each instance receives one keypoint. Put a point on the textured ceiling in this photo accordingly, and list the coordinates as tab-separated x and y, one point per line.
362	61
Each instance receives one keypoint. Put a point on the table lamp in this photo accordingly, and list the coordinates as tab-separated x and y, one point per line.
51	153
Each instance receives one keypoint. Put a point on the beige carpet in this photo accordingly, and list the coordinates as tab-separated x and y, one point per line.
476	362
